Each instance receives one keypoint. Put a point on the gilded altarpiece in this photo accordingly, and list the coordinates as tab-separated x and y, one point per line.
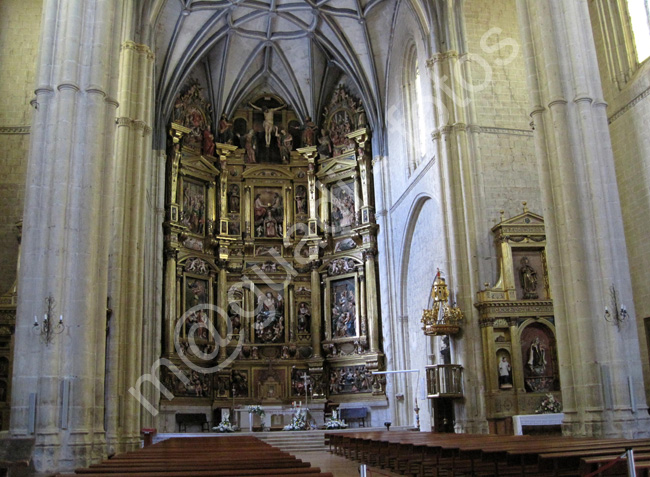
270	282
518	324
8	305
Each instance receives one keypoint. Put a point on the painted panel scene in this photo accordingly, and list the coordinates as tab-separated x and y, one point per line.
343	308
268	211
194	207
342	207
196	293
269	315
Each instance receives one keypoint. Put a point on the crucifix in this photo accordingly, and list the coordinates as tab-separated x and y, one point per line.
305	377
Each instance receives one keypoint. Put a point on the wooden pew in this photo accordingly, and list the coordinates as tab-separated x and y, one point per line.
232	456
485	455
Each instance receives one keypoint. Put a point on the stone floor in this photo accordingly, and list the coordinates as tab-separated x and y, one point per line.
339	466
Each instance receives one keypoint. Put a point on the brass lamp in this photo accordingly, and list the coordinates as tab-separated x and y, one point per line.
443	318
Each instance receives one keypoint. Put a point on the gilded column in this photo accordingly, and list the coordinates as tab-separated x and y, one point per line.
362	304
222	305
372	302
357	198
247	211
171	298
316	319
310	154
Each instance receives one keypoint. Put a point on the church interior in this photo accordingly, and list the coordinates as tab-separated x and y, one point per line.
287	214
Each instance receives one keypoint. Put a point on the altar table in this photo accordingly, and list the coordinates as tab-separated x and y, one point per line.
536	420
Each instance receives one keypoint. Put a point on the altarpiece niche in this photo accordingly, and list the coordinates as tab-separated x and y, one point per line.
270	285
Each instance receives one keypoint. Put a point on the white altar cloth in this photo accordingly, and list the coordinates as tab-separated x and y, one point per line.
245	419
536	420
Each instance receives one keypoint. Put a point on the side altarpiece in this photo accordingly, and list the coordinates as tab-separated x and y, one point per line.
518	324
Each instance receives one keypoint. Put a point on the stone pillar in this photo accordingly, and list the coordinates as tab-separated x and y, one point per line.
316	319
586	250
66	233
134	162
455	141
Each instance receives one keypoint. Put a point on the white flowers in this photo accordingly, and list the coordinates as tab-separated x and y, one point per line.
298	422
259	410
549	405
224	426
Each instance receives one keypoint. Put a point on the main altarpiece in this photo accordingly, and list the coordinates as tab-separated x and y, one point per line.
270	290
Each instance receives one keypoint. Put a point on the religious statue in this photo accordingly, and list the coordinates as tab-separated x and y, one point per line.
208	143
537	357
268	120
285	143
445	350
325	145
301	199
233	199
308	133
225	130
304	318
250	145
528	278
505	374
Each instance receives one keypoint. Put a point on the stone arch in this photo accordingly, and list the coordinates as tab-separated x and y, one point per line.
417	265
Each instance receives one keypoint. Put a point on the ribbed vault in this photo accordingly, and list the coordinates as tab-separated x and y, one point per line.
296	49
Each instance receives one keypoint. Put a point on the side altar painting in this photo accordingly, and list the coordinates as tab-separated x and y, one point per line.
267	257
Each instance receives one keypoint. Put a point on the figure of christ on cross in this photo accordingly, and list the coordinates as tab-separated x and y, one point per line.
268	120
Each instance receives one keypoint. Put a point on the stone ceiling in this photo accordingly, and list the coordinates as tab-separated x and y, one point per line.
297	49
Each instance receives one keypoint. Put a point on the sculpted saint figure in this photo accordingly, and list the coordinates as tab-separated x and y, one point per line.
537	357
528	278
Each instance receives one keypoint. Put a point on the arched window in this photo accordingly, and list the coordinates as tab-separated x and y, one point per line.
640	20
413	110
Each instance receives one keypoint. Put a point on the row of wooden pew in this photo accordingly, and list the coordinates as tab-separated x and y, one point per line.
429	454
231	456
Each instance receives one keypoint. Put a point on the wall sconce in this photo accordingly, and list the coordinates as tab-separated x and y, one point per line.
617	316
46	329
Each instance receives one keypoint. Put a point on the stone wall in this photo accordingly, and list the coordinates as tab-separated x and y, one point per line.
19	30
506	172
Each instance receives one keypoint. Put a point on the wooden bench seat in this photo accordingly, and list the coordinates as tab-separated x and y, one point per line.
465	454
315	472
233	456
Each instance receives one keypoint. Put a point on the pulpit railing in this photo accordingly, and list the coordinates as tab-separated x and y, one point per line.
444	380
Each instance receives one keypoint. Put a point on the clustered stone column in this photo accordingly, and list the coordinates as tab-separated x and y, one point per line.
586	247
134	172
67	236
455	148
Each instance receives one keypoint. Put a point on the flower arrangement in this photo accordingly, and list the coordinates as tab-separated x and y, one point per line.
257	409
549	405
334	422
298	422
224	426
